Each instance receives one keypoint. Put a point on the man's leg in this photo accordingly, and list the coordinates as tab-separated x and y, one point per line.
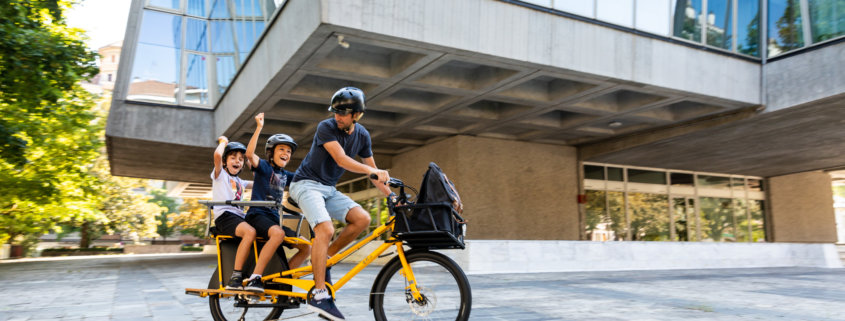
322	236
358	219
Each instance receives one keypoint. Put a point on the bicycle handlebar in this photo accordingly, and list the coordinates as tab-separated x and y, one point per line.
393	182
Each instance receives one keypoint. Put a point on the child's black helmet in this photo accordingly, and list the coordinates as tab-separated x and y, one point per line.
232	147
348	100
279	139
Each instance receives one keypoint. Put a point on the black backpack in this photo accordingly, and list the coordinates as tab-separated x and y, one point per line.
435	221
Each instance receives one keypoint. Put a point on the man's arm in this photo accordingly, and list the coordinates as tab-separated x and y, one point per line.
218	155
347	163
370	161
250	149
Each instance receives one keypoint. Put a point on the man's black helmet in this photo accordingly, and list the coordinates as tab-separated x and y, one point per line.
279	139
348	100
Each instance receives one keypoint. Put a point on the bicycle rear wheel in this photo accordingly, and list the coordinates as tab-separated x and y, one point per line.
446	291
227	309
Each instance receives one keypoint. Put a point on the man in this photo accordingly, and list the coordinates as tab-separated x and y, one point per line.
336	142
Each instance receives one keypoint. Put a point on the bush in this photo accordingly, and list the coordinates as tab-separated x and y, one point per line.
191	248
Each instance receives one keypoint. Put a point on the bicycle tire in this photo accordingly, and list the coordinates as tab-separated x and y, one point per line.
443	284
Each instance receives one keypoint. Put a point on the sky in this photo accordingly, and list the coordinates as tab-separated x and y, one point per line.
103	20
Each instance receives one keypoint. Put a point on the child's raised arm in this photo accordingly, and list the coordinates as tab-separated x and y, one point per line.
218	154
250	149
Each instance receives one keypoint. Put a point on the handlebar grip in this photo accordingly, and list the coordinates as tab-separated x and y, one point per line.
373	176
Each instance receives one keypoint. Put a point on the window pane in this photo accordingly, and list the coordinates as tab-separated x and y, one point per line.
581	7
155	71
614	174
649	216
222	40
707	181
741	217
755	185
594	172
684	215
785	31
748	28
827	19
687	21
225	72
247	8
616	210
737	184
219	9
620	12
598	222
196	80
717	219
681	179
247	33
196	35
169	4
758	231
653	16
648	177
719	23
196	8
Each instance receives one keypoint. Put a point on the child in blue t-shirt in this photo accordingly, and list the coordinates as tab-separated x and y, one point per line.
269	182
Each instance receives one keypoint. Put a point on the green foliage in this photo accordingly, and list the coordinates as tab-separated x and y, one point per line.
51	133
191	218
168	208
790	33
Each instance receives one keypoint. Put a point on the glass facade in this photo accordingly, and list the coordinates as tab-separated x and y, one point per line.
731	25
648	204
189	51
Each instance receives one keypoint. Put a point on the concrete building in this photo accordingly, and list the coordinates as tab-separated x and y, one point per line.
558	120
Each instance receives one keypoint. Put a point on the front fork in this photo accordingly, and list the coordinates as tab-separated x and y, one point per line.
408	273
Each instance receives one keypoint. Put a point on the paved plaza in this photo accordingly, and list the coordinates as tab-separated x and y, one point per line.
151	287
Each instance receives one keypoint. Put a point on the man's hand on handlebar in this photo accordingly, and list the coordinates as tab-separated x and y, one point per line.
380	175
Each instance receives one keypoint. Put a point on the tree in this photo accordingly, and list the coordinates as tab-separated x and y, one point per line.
51	136
168	208
191	218
789	27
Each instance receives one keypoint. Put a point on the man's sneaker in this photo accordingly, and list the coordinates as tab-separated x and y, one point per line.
255	285
326	309
235	283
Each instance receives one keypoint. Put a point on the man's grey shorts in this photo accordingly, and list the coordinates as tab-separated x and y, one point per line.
321	203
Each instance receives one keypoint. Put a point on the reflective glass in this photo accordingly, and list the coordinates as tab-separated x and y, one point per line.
598	222
687	21
758	230
681	179
708	181
785	25
755	185
155	74
219	9
196	7
827	19
583	8
155	71
738	185
247	33
649	216
616	211
741	220
247	8
594	172
717	219
221	37
748	28
620	12
225	72
644	176
684	217
196	35
196	80
169	4
614	174
719	24
653	16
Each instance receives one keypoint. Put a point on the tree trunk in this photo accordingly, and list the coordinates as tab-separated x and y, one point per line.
85	236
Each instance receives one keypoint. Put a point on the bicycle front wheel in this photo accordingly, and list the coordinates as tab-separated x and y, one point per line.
443	285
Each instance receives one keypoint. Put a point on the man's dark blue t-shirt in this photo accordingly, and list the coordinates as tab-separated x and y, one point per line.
319	165
268	185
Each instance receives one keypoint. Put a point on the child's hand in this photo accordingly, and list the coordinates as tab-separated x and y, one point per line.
259	119
222	139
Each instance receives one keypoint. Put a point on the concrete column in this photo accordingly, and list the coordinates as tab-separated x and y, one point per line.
506	195
801	208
